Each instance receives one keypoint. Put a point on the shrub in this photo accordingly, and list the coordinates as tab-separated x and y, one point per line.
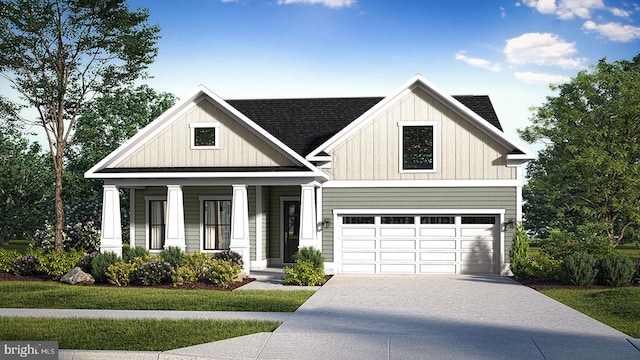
541	266
588	239
224	273
85	261
519	248
57	264
154	273
121	273
310	254
100	265
25	265
578	269
7	258
228	255
184	275
637	275
129	253
81	237
615	270
304	272
200	263
173	255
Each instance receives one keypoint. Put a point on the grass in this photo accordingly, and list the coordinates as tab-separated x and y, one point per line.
616	307
135	335
54	295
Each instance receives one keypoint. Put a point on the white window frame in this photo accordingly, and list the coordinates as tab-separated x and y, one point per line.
201	201
192	130
147	213
436	143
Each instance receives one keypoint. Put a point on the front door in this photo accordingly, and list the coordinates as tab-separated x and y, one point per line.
291	230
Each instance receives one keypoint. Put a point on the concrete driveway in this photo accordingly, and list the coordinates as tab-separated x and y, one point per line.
427	317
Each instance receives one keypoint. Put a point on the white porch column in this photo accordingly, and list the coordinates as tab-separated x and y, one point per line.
308	220
240	225
175	218
111	231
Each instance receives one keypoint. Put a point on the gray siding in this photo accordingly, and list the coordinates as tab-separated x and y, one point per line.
416	198
276	217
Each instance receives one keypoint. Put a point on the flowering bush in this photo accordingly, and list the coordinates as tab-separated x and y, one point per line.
228	255
74	237
200	263
25	265
154	273
85	261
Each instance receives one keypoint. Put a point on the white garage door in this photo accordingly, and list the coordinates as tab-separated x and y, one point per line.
417	244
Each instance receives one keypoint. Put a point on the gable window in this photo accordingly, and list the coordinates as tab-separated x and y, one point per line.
418	146
216	224
157	223
205	135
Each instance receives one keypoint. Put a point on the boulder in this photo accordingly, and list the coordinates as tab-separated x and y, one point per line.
77	277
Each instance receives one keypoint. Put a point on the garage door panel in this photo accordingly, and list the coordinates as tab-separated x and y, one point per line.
437	244
397	244
476	257
398	268
466	268
437	256
358	232
359	268
438	232
358	244
477	232
438	269
359	256
477	244
397	232
397	256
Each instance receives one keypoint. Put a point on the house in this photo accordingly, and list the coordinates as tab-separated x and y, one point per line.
415	182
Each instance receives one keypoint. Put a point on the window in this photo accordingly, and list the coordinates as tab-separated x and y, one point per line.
397	220
205	135
157	223
478	220
358	220
216	224
417	146
437	220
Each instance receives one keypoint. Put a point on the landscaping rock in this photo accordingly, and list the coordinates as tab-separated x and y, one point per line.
77	277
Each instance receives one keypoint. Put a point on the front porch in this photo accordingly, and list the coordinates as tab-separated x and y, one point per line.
265	223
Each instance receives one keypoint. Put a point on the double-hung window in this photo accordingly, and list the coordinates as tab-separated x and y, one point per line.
216	224
417	146
157	223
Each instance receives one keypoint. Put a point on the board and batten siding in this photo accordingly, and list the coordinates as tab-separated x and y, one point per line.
238	146
418	199
464	152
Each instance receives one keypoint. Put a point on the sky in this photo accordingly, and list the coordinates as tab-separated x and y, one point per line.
510	50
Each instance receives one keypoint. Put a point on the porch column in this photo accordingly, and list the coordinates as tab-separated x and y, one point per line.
240	225
175	218
111	231
308	220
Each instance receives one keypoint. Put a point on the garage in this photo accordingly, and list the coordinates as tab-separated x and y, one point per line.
392	243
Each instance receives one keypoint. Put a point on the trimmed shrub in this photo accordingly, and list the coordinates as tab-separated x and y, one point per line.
615	269
121	273
310	254
578	269
540	266
7	258
100	265
228	255
57	264
184	275
85	261
173	255
130	253
519	249
304	272
200	263
154	273
25	265
223	273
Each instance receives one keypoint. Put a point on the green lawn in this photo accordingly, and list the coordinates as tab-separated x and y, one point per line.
136	335
616	307
55	295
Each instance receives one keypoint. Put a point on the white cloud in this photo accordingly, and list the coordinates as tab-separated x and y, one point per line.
620	12
541	78
566	9
476	62
327	3
614	31
542	49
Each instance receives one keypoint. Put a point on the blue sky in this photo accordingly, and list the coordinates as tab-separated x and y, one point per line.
510	50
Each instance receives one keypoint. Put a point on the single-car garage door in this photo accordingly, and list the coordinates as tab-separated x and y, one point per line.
417	244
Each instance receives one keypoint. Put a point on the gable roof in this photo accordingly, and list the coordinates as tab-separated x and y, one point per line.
304	124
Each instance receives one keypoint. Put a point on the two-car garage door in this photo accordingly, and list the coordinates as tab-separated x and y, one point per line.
417	244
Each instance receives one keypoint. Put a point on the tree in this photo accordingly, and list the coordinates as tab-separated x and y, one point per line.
589	171
59	53
104	124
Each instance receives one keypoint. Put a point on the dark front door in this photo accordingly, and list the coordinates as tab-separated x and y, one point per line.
291	222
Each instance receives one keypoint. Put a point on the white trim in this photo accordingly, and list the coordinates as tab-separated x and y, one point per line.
201	200
216	135
434	134
519	200
259	221
319	216
282	220
147	199
221	175
420	183
132	217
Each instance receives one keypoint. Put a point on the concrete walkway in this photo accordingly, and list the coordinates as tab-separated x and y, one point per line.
417	317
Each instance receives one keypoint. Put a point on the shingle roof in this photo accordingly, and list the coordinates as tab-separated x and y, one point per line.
304	124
